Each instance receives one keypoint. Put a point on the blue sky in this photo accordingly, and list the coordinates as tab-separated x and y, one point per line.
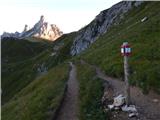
68	15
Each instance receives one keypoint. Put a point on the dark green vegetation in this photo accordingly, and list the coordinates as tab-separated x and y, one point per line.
90	94
144	39
14	50
39	99
25	80
21	60
66	41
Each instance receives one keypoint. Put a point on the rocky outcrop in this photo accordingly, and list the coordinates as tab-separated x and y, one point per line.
41	29
6	34
100	25
25	28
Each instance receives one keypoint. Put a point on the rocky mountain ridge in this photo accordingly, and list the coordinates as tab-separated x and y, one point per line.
100	25
41	29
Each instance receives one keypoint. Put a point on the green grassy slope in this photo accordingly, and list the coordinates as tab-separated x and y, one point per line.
14	50
65	41
39	99
18	73
26	93
90	94
19	64
144	39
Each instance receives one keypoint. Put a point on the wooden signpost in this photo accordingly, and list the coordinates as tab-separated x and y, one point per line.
126	51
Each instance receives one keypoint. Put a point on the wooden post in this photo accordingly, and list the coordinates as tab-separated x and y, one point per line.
126	51
126	74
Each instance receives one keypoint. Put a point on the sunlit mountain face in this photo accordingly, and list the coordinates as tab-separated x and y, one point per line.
41	29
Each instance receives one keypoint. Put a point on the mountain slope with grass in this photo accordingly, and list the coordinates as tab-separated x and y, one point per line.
101	24
35	71
40	99
31	72
143	36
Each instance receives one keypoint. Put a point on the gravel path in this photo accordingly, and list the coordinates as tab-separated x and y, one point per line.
69	109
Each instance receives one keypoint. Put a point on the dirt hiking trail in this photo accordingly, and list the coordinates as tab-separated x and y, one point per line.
148	106
69	109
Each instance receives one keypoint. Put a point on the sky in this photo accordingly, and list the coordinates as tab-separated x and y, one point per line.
68	15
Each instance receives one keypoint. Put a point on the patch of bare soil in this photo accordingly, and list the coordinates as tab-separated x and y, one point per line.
69	109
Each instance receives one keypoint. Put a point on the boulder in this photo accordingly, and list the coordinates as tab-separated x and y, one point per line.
119	100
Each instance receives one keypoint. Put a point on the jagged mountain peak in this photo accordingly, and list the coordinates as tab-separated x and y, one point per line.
41	29
25	28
